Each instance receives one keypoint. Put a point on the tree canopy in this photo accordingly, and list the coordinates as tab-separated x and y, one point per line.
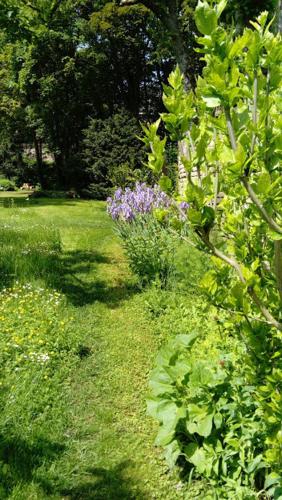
64	63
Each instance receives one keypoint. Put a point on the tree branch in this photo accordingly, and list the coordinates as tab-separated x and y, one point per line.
241	313
255	112
182	237
231	261
278	265
272	224
256	201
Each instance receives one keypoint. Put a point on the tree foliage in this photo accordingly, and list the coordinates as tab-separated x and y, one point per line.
61	64
232	129
111	146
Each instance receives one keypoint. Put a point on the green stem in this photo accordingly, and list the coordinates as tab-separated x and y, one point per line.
255	111
256	201
231	261
230	129
278	265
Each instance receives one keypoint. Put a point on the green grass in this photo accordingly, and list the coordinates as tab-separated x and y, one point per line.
95	441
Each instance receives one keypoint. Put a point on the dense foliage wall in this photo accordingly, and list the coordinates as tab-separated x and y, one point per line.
65	63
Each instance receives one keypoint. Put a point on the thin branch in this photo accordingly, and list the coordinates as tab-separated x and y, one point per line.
256	201
182	237
241	313
272	224
255	112
278	265
265	312
230	129
216	188
231	261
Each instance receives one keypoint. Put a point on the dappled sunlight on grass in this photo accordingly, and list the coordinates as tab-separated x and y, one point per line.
101	447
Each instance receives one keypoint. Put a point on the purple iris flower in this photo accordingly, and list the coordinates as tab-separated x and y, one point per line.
126	205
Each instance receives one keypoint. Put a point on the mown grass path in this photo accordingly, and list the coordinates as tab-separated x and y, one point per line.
109	451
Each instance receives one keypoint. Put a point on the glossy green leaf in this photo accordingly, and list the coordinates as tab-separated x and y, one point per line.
206	18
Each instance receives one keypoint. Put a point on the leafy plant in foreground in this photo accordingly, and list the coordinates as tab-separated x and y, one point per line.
231	127
207	414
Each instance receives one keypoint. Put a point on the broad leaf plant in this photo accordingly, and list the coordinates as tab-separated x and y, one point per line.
231	125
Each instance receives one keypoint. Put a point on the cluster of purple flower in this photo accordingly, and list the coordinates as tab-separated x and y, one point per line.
127	204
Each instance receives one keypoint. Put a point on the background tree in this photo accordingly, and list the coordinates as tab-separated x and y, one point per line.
112	152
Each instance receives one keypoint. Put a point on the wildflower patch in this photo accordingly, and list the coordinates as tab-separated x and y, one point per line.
32	332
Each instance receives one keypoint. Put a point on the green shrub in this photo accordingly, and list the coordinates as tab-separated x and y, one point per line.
7	185
96	192
209	415
230	130
150	250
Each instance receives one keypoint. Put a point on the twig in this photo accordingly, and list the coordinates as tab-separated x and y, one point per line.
278	265
231	261
272	224
244	179
241	313
255	112
182	237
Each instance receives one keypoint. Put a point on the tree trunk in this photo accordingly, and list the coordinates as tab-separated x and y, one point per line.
39	161
60	169
170	19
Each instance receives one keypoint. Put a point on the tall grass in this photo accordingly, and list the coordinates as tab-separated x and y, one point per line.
28	252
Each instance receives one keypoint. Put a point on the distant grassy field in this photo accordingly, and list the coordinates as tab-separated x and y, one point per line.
14	194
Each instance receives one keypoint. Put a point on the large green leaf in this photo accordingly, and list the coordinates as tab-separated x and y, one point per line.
196	456
172	452
212	102
206	18
205	426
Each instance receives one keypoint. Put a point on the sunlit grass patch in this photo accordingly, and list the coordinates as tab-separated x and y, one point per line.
27	251
38	349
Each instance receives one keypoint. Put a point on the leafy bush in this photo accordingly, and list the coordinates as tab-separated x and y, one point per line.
125	176
231	138
150	250
96	192
7	185
209	415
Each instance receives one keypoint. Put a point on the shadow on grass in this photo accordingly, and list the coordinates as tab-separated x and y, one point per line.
36	255
73	273
21	465
20	460
74	278
106	484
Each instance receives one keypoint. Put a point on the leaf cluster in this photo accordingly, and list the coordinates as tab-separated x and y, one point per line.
231	150
208	415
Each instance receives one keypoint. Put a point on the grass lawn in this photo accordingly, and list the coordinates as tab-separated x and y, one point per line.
105	443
